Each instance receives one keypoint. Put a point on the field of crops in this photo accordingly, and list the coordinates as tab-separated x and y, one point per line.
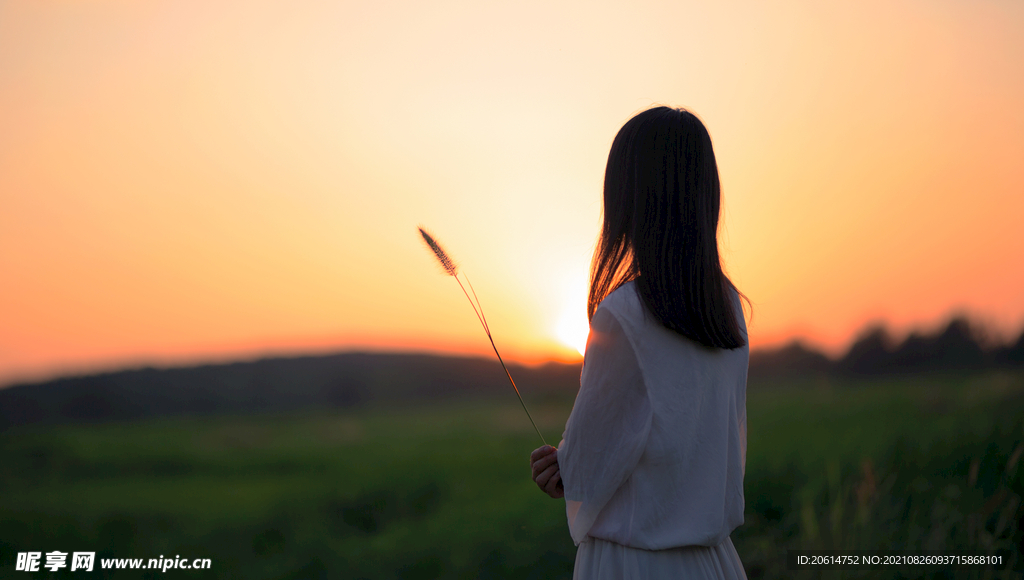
443	490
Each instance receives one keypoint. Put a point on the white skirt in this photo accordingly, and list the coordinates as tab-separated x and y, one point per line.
598	559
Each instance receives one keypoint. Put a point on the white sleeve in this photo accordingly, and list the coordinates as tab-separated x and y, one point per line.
608	428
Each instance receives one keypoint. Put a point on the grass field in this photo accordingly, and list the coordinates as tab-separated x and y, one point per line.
443	491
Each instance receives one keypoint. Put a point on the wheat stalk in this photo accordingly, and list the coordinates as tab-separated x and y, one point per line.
452	270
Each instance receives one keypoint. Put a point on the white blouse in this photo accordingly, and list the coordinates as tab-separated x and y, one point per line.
654	451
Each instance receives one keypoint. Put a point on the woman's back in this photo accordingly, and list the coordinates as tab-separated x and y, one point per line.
654	452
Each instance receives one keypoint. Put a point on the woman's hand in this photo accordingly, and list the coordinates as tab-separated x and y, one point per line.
544	462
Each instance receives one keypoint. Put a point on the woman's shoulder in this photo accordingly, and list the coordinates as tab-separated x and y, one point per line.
624	304
628	308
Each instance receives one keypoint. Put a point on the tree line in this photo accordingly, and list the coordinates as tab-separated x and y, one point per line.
958	346
354	379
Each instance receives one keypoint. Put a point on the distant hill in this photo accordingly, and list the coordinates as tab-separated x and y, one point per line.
273	384
353	379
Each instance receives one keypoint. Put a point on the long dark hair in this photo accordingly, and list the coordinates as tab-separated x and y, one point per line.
662	200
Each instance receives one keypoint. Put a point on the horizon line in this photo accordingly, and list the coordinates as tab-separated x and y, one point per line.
73	370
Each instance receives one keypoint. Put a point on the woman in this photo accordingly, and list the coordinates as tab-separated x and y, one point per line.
652	459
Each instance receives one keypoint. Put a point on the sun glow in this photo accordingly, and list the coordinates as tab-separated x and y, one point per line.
284	165
572	327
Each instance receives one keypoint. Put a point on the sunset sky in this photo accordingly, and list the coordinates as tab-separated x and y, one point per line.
187	181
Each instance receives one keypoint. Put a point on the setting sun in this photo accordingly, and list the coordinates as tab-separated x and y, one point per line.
573	329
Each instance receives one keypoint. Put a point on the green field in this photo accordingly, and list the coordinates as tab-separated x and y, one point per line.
443	490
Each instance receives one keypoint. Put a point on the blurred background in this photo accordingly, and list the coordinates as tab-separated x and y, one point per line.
221	336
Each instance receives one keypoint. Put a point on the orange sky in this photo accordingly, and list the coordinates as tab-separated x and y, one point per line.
185	180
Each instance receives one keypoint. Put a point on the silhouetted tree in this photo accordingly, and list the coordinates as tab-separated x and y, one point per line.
871	353
959	345
794	358
1013	353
